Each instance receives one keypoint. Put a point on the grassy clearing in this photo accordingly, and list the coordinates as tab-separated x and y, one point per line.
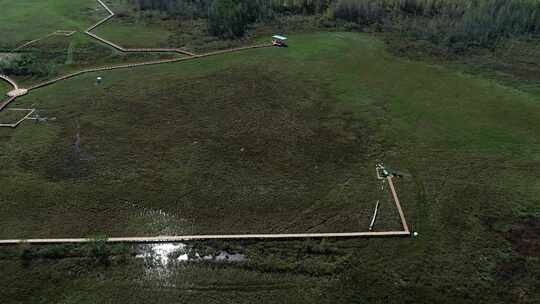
22	21
203	139
129	31
132	35
163	146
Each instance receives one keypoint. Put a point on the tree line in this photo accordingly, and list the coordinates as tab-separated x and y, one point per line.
479	22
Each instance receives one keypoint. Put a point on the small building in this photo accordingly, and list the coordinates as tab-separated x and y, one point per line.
278	40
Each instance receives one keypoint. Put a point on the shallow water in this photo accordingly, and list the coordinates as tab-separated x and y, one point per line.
165	253
161	260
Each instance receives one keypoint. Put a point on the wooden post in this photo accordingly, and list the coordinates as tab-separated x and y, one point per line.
374	216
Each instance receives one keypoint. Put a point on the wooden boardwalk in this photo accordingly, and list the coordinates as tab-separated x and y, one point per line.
171	239
168	239
398	205
29	112
12	83
190	56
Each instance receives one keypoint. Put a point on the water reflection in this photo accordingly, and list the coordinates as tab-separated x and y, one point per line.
161	260
165	253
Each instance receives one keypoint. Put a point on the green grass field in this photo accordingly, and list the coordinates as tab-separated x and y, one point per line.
279	140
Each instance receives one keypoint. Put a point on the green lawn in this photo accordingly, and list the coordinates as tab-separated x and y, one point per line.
277	140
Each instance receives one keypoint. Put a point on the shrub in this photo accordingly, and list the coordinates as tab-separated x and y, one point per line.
26	65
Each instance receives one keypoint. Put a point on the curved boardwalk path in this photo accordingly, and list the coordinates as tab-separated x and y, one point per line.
10	81
11	98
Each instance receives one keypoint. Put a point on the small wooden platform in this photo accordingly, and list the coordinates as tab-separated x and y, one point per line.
17	92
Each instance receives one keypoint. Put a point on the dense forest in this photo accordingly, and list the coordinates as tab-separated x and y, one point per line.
455	23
